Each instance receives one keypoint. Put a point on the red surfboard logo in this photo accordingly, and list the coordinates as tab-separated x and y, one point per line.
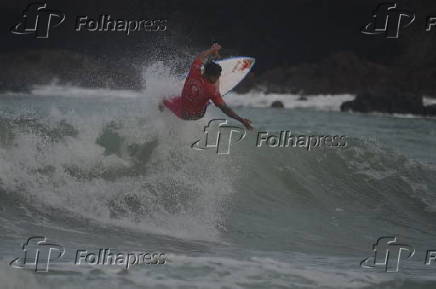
241	65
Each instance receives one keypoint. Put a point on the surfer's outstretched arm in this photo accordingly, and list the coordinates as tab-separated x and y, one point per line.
213	50
229	112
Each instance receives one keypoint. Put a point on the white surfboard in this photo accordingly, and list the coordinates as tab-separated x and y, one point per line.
234	70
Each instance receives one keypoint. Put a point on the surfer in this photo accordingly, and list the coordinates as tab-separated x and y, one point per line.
199	89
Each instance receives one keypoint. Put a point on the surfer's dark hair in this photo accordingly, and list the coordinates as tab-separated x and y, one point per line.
212	68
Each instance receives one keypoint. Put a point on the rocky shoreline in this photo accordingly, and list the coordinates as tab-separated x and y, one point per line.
388	103
378	88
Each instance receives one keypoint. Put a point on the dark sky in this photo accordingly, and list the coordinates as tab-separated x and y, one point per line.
275	32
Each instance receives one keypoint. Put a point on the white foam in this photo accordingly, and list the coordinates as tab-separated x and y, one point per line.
173	198
206	272
76	91
428	100
318	102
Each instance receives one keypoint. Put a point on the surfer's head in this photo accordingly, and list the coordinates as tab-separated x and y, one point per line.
212	71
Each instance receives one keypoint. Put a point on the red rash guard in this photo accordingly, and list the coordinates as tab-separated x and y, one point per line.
196	94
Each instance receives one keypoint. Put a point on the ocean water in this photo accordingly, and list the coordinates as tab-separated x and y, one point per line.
96	169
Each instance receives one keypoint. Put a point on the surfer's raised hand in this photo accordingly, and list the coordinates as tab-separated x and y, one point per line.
215	47
213	50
